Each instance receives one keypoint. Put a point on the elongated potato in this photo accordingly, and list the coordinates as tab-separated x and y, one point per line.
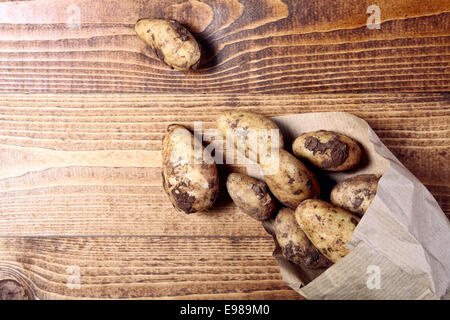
327	226
251	196
251	133
189	178
328	150
289	180
171	42
356	193
295	245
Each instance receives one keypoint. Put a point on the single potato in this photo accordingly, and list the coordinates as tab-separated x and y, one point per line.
251	196
327	226
328	150
355	194
189	178
295	245
289	180
171	42
252	134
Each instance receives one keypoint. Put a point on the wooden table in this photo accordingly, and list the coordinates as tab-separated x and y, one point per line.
84	104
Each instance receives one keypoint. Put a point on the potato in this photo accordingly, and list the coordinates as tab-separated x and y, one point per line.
295	245
251	133
327	226
251	196
289	180
328	150
189	178
171	42
355	194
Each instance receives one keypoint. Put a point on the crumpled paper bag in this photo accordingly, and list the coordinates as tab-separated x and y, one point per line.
401	247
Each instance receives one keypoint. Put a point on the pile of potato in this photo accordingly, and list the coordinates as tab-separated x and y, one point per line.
310	232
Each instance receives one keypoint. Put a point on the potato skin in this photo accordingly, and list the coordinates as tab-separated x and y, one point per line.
356	193
192	186
248	126
295	245
290	181
171	42
328	150
327	226
251	196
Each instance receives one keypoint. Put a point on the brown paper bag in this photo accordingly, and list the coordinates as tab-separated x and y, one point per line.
401	247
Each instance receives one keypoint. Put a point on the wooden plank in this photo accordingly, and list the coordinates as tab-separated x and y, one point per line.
79	173
269	46
90	164
142	267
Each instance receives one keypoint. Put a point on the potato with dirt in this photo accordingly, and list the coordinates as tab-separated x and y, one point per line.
251	195
253	135
328	150
355	194
327	226
260	140
190	176
289	180
295	245
171	42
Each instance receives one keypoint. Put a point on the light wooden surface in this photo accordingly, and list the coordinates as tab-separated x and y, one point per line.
83	111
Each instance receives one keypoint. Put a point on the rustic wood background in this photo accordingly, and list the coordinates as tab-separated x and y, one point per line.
83	108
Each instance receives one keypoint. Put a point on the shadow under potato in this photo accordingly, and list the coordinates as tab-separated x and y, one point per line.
364	161
223	199
326	184
208	57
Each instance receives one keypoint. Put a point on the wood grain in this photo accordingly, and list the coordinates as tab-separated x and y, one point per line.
84	105
72	163
144	267
268	46
88	165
